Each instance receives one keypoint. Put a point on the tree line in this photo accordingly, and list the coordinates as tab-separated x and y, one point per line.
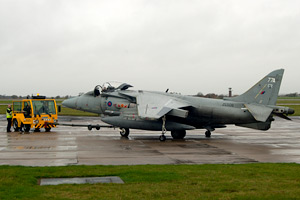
28	96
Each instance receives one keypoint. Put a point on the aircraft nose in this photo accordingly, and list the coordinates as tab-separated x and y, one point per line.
70	103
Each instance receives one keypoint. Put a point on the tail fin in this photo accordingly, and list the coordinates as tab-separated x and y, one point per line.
265	92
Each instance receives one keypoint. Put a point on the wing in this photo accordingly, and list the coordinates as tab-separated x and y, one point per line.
153	105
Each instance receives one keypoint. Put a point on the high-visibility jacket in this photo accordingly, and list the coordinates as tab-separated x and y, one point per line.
8	113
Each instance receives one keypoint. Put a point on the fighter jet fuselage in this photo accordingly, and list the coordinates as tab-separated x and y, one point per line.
162	111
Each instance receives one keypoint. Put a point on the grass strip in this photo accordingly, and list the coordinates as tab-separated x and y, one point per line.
223	181
288	101
72	112
289	98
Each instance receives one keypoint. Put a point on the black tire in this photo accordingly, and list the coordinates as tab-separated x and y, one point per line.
37	130
178	134
47	129
27	127
90	127
98	127
15	125
124	132
162	138
207	134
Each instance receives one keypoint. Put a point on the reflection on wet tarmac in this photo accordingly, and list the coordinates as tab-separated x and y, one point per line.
77	145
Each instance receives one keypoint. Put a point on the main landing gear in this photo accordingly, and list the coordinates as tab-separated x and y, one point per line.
124	132
208	132
178	134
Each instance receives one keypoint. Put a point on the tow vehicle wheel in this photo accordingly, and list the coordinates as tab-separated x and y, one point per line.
15	125
27	127
47	129
178	134
124	132
162	138
37	130
207	134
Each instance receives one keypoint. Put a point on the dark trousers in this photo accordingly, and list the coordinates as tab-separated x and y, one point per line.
8	124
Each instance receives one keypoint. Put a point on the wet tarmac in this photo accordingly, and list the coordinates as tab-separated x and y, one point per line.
79	146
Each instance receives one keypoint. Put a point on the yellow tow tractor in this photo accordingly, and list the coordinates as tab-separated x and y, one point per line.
37	112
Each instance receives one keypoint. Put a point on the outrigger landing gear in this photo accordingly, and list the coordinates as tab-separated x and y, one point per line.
208	132
162	138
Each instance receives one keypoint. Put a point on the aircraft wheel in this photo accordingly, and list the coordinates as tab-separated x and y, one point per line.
124	132
162	138
27	127
178	134
90	127
207	134
15	125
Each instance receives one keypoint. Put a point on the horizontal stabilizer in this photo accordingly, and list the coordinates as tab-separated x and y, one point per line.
260	113
282	116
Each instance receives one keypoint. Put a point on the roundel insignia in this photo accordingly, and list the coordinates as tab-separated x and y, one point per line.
109	104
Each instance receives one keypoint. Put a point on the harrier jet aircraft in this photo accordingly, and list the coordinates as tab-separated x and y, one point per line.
163	111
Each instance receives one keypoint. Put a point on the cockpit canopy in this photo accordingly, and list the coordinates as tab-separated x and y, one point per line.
110	87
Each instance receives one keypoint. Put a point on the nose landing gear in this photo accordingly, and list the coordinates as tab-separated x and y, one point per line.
162	138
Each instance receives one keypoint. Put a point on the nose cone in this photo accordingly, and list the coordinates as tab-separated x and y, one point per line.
70	103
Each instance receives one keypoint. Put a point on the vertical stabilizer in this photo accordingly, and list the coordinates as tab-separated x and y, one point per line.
265	92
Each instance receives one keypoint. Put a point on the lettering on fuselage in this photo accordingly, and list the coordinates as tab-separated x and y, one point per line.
228	104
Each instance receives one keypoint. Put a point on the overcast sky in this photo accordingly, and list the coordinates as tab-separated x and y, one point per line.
64	47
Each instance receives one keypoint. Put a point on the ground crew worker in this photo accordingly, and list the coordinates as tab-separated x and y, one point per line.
8	117
27	111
